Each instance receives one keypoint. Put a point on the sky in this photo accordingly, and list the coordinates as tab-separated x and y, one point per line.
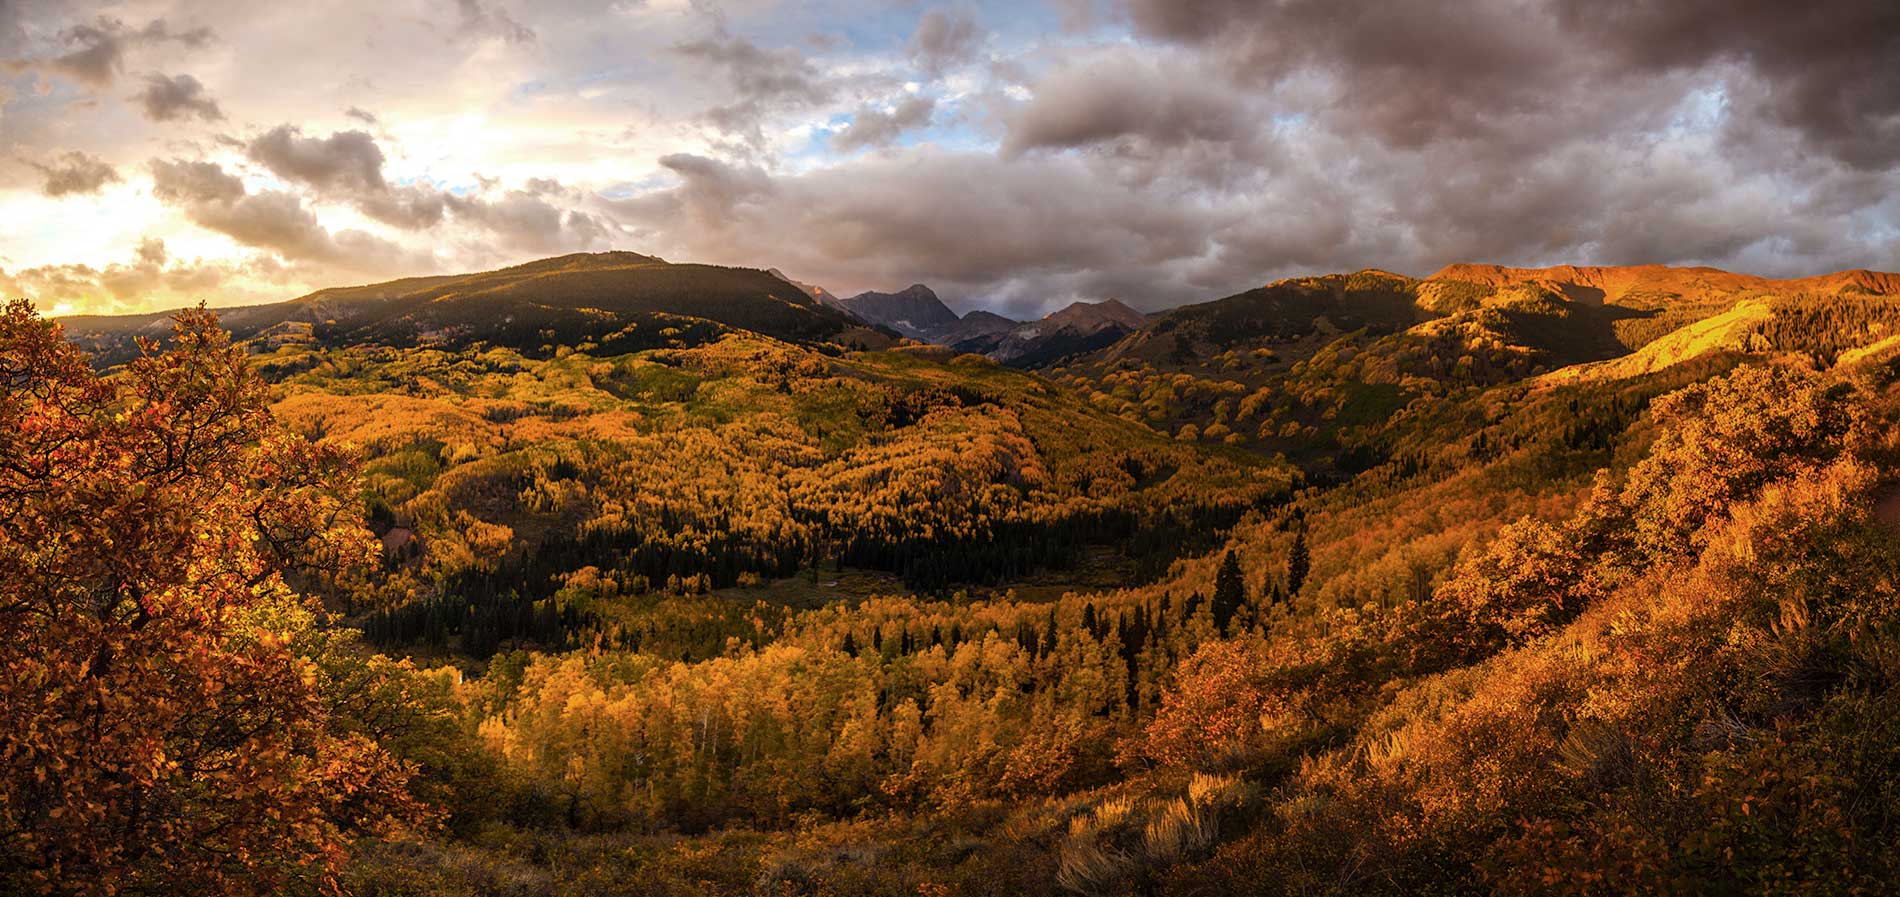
1013	155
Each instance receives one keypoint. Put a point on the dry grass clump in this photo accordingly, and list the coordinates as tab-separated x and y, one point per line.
1120	843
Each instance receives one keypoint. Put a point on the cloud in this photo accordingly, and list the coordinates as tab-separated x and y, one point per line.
872	126
346	165
1159	150
98	49
152	278
483	21
1828	69
1127	96
273	220
763	82
1045	228
75	172
194	183
408	207
175	97
525	221
1079	15
913	215
945	38
1510	75
345	160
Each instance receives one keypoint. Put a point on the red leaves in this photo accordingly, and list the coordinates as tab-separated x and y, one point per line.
156	731
1214	708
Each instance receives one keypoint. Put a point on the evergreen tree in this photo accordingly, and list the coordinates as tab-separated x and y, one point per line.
1298	563
1230	592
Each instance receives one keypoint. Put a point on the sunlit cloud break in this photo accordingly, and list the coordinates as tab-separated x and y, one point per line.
1014	156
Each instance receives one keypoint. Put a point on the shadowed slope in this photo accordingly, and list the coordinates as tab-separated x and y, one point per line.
564	300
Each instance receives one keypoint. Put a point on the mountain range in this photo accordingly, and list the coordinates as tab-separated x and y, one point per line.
1545	318
916	312
1557	316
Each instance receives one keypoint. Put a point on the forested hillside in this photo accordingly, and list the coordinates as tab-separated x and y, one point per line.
1314	367
1579	581
621	300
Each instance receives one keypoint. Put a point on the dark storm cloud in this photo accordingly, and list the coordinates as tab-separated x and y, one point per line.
945	37
1238	141
1828	69
74	173
1412	74
1047	227
873	127
1406	73
174	97
1125	95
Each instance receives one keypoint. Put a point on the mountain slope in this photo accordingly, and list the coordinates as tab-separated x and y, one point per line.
1079	328
1090	317
1611	283
1312	366
976	325
822	295
569	300
915	311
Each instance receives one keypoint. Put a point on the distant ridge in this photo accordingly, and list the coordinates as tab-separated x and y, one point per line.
1089	317
1501	322
1617	281
565	300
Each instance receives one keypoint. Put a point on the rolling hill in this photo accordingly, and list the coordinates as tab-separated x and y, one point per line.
1306	365
620	298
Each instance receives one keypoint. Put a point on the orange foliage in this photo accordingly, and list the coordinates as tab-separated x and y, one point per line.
157	732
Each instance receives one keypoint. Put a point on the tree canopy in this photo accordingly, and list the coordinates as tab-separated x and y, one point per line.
157	733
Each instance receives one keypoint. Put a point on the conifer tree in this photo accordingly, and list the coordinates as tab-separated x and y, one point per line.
1230	592
1298	563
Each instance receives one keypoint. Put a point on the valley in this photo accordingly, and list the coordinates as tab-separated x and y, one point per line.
750	591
